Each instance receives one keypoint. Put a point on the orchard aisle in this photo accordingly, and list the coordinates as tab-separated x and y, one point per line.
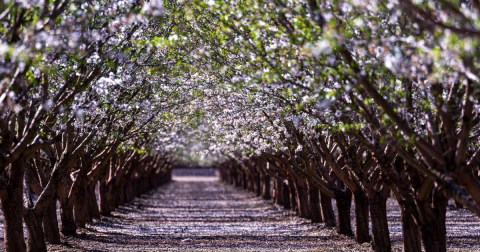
203	214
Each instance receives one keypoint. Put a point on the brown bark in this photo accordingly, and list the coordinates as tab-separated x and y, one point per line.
344	204
293	194
12	207
11	196
67	219
50	224
257	186
36	236
105	199
302	198
411	235
314	203
93	209
266	187
378	213
286	196
433	228
362	233
279	192
80	205
328	215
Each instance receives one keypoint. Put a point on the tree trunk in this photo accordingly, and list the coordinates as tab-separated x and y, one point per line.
411	235
105	201
362	232
328	215
50	223
92	202
344	204
302	198
279	192
36	236
433	228
119	192
286	196
314	202
66	210
237	180
245	181
293	194
80	205
257	187
378	213
12	206
266	187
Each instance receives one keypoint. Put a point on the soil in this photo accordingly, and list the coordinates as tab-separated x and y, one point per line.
199	213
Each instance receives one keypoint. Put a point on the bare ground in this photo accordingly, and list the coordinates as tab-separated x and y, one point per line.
200	213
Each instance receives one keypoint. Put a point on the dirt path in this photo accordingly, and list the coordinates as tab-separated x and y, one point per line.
202	214
196	212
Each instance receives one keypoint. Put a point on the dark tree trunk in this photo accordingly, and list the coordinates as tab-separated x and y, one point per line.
244	180
286	196
80	205
50	223
68	221
119	193
66	211
112	192
411	235
378	213
36	236
92	201
12	206
293	194
344	204
314	202
328	215
266	187
237	179
433	228
279	192
257	188
362	232
105	199
302	198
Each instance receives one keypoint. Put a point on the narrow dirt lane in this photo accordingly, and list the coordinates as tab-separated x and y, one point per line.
199	213
202	214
